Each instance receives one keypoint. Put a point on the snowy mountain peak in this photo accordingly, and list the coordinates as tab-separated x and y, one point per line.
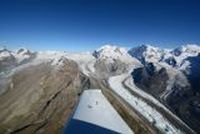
23	51
109	51
3	49
175	58
147	53
190	49
5	54
15	57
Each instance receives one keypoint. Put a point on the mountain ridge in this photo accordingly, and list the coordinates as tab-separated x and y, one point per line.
166	75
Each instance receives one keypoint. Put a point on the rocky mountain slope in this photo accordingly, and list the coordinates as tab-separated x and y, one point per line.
38	96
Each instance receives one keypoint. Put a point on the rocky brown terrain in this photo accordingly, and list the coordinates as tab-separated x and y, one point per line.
39	98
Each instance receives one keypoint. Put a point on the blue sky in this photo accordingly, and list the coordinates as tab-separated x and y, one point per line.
81	25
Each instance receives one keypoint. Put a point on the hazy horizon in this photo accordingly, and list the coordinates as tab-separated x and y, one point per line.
90	50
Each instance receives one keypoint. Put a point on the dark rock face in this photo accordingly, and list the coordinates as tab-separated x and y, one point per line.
24	51
150	69
177	52
184	101
138	53
194	72
193	97
171	61
150	80
95	54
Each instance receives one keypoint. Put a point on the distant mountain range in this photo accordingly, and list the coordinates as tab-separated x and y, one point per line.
39	90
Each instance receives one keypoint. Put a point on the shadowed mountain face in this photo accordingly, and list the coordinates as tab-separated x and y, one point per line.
193	99
151	80
194	72
182	100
